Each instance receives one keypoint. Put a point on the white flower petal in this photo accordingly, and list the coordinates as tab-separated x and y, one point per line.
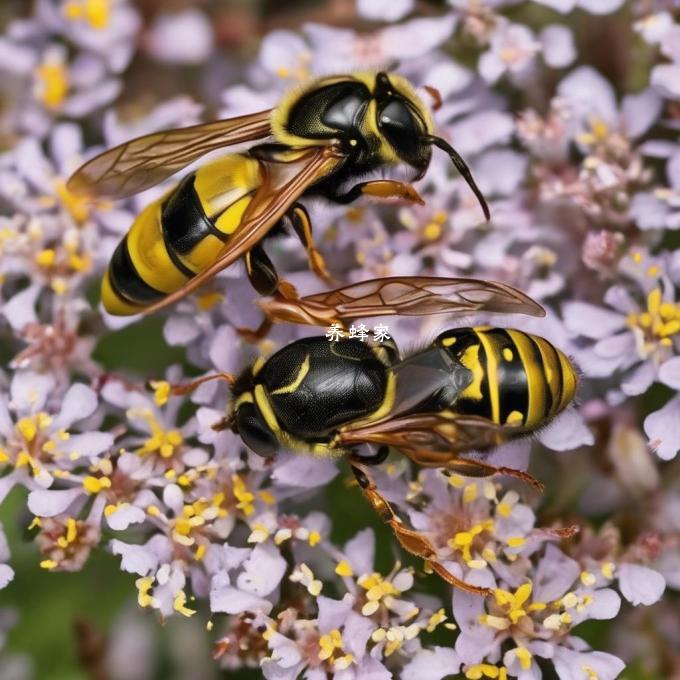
663	429
48	503
262	571
6	575
566	432
590	321
384	10
569	664
125	515
233	601
669	373
432	664
79	402
360	552
555	575
558	45
29	391
136	559
640	585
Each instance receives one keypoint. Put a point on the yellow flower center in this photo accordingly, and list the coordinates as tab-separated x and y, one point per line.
655	327
52	83
96	12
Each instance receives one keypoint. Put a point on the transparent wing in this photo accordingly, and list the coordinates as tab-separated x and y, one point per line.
431	436
423	295
282	186
145	161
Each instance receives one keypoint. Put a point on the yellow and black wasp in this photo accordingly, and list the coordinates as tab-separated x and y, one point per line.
471	389
325	136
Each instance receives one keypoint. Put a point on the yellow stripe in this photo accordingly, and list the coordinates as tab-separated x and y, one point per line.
114	304
491	373
447	342
470	360
536	409
552	372
231	218
302	373
225	181
569	380
385	407
245	398
149	254
263	404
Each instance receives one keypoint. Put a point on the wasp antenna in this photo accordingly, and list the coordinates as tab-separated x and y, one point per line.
462	168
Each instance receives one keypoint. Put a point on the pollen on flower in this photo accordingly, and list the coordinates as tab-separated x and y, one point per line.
95	12
52	80
485	670
179	604
344	568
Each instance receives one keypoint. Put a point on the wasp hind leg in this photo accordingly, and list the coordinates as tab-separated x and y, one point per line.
469	468
412	541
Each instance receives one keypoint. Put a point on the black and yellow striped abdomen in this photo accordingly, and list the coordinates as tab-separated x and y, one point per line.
179	235
517	378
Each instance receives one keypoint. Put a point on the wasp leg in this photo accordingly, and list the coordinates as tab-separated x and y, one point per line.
261	271
412	541
468	468
378	458
187	388
380	188
299	217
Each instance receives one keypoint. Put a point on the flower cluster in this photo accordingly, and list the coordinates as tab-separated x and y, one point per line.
577	154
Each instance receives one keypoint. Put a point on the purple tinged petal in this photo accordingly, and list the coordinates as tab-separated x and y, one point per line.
230	600
184	37
569	664
566	432
432	664
19	310
639	584
124	516
305	472
558	45
663	429
136	559
666	77
357	632
673	170
563	6
416	37
6	575
262	571
482	130
78	403
600	6
360	552
590	321
605	605
640	380
333	613
615	345
669	373
48	503
369	669
640	111
384	10
591	93
555	575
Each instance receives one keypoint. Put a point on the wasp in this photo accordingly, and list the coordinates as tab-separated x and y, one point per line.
471	389
324	136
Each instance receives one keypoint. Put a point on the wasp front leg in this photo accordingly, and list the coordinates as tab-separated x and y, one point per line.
412	541
163	389
380	188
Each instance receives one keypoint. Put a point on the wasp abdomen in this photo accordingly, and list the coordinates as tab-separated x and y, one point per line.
518	379
179	235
